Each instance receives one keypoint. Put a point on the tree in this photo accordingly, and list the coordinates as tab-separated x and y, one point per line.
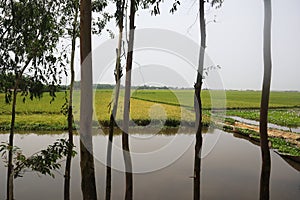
263	125
198	103
29	33
70	17
70	10
125	132
119	15
197	94
45	161
88	182
125	140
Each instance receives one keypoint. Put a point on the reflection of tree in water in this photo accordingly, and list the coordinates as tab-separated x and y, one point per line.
263	125
291	161
197	170
197	96
120	6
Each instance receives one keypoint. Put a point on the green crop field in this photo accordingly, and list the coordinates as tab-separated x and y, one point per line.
151	104
285	105
232	99
40	114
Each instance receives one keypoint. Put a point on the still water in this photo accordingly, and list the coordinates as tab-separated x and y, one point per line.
164	167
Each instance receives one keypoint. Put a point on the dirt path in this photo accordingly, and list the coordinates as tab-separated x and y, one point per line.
289	136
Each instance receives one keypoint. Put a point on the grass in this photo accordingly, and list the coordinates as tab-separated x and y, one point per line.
283	117
147	105
158	107
41	106
234	99
140	109
251	99
244	104
35	122
40	114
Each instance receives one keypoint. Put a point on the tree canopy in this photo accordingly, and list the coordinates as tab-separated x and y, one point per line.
29	34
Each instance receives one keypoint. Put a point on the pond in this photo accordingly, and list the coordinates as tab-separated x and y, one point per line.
164	167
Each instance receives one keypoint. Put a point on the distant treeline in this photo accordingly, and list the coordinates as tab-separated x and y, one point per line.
111	86
29	83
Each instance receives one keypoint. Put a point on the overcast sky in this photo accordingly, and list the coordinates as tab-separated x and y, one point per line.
234	42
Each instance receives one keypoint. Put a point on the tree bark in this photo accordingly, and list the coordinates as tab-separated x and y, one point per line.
118	74
125	140
88	182
70	110
198	103
10	168
265	152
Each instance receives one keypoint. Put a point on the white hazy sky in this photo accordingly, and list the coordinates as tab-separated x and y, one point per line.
234	42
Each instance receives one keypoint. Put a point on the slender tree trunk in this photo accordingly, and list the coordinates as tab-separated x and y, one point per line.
265	152
125	140
88	182
111	129
113	114
198	103
10	168
70	111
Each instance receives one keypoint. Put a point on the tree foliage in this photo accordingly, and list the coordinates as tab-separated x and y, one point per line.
215	3
29	34
29	86
154	5
101	17
44	161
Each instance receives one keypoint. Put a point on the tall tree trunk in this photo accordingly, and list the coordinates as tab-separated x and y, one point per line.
198	103
88	182
118	74
10	168
263	126
125	140
70	110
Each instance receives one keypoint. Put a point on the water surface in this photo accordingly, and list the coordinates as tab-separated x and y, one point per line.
230	169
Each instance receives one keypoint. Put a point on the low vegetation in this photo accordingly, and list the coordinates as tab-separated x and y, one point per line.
234	99
44	114
281	144
160	108
283	117
147	105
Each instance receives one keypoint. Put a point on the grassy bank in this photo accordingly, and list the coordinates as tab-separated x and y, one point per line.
281	144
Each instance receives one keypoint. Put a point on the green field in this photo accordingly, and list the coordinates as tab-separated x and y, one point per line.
231	99
40	114
171	105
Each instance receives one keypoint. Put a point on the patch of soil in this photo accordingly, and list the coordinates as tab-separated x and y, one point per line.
291	137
